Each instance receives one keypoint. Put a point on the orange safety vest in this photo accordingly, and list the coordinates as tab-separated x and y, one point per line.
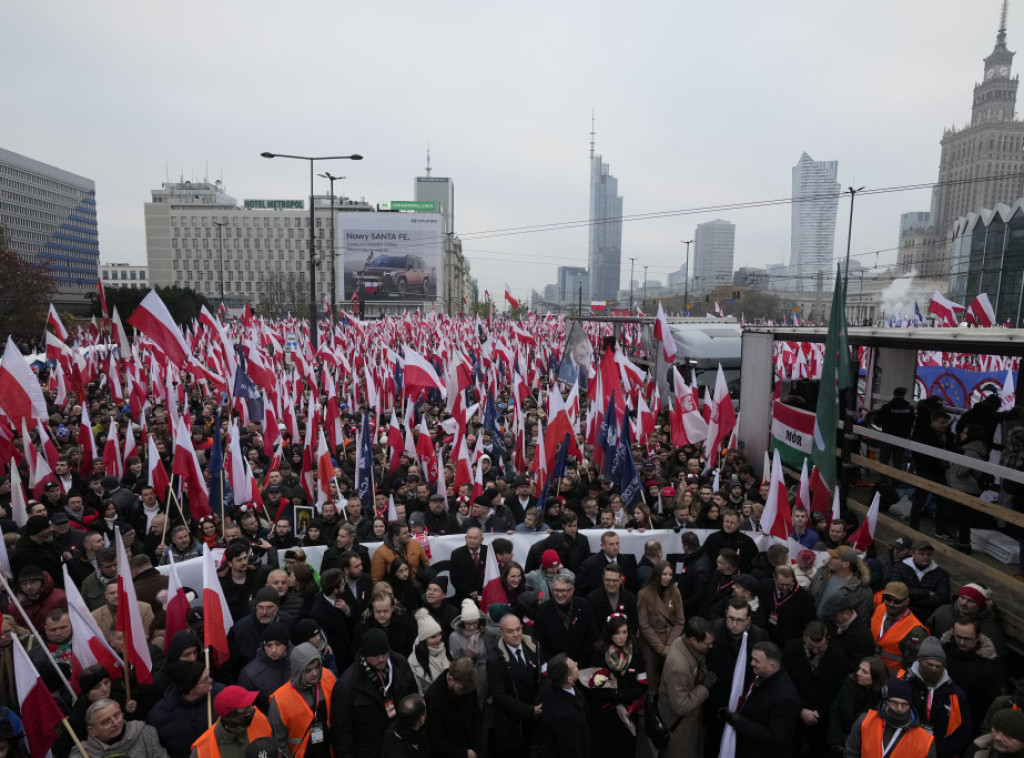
889	645
915	742
206	746
297	714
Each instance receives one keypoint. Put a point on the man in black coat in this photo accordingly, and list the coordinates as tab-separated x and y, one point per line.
407	737
333	613
467	566
437	520
816	669
728	634
787	606
513	681
564	717
848	633
455	726
693	568
731	537
591	571
896	418
363	696
576	547
565	624
613	597
766	720
36	548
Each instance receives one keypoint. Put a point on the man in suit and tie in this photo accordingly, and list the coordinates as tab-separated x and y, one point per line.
468	565
565	716
513	683
592	570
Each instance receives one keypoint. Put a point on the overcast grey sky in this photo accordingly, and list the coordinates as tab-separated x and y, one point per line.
698	104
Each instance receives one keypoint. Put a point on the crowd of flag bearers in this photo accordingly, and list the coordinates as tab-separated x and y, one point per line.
411	541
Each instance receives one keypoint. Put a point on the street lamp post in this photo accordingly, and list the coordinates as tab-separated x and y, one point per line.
220	249
334	249
645	287
686	278
312	224
631	262
849	238
851	392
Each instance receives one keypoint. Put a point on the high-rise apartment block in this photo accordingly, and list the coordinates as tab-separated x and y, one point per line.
813	232
713	250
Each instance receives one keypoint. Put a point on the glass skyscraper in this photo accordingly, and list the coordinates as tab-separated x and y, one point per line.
605	249
988	256
714	246
813	233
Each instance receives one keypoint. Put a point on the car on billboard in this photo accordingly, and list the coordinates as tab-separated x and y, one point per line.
396	275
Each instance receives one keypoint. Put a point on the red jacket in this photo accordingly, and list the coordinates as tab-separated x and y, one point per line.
50	598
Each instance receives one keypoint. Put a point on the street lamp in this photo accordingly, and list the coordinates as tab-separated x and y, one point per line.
849	238
312	224
631	262
220	248
686	277
334	250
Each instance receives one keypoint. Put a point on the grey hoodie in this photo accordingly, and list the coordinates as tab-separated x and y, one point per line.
138	741
300	658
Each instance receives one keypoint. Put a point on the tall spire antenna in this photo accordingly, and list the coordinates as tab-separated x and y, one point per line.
428	159
592	129
1002	21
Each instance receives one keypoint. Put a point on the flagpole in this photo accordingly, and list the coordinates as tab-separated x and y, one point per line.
74	737
127	680
36	634
209	694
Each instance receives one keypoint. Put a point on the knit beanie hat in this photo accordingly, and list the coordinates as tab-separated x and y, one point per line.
375	642
975	592
36	524
931	648
1010	722
265	595
276	632
470	612
92	677
426	625
30	574
186	674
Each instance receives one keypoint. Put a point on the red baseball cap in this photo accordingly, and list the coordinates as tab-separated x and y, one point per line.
233	697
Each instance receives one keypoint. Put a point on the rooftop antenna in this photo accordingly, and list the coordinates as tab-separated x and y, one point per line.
1001	36
591	132
428	159
167	171
206	172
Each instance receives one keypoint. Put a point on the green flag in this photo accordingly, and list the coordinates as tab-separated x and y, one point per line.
835	377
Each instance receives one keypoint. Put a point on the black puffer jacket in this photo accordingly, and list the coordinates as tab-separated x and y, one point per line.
358	715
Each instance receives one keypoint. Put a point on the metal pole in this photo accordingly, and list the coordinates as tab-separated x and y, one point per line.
312	266
645	287
579	280
220	247
334	259
686	279
849	238
631	262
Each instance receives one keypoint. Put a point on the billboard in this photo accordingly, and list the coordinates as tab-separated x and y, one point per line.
390	256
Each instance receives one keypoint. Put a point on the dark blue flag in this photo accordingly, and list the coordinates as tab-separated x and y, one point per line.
216	468
607	436
624	472
247	390
500	452
364	466
556	474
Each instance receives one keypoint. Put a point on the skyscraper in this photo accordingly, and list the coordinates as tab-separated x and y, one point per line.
714	245
981	165
439	190
813	233
605	249
50	217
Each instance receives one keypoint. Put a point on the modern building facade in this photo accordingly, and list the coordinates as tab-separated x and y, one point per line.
988	256
981	165
126	275
49	216
714	245
813	230
439	190
605	246
257	251
570	280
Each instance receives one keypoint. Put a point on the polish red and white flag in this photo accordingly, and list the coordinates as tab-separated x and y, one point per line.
980	312
40	712
865	534
176	608
187	467
88	642
777	520
945	309
664	335
217	620
129	618
52	319
21	397
158	478
419	375
154	320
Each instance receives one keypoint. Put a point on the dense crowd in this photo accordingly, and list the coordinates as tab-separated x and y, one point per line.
573	647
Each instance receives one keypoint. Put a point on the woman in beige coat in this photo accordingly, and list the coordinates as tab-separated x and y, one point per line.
660	616
685	687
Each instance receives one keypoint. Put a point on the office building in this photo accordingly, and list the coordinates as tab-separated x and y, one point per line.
981	165
439	190
714	244
570	280
605	246
124	275
49	216
813	231
677	279
195	231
